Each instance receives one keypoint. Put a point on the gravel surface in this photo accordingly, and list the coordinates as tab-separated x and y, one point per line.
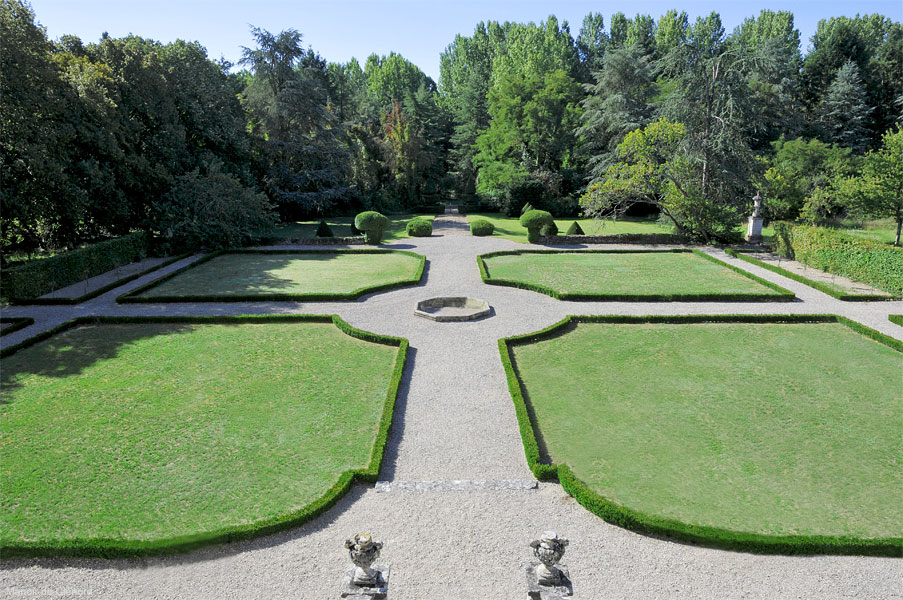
457	506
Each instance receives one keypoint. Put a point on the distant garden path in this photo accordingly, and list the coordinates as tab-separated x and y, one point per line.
457	504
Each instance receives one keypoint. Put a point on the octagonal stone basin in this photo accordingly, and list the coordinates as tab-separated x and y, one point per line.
452	308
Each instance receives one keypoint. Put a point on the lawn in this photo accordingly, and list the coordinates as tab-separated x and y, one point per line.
287	275
341	227
625	275
510	228
773	429
148	434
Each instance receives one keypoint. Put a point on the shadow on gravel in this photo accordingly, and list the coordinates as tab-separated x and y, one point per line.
390	454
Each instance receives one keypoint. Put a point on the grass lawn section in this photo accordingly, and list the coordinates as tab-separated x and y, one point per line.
633	273
289	273
150	431
341	227
511	229
790	429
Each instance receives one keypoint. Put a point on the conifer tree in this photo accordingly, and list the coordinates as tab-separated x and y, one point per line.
842	117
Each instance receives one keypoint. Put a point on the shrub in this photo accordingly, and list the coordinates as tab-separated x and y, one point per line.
873	263
526	207
419	227
40	277
481	227
549	230
372	224
323	230
575	229
534	221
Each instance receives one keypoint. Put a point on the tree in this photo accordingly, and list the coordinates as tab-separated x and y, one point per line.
842	117
592	42
879	190
671	31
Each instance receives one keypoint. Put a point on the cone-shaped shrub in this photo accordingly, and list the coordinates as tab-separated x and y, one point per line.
527	207
323	230
575	229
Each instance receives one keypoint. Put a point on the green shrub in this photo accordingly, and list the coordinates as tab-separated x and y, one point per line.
526	207
549	230
874	263
323	230
419	227
534	221
40	277
575	229
372	224
481	227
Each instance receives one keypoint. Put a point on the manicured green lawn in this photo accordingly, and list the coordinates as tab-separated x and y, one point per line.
779	429
570	274
341	227
293	274
149	432
510	228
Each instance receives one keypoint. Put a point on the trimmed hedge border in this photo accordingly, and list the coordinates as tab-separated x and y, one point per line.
897	319
100	290
48	274
628	518
615	238
811	283
15	324
133	296
354	240
784	295
107	548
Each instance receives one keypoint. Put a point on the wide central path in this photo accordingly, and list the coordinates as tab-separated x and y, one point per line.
456	505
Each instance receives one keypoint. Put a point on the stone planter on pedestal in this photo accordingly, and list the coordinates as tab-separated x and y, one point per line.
363	582
546	579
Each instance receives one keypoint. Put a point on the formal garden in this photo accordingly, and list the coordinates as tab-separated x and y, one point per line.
538	293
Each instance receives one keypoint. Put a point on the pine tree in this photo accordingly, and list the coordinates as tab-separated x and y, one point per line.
843	115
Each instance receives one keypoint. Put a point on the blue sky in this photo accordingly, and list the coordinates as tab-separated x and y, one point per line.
419	30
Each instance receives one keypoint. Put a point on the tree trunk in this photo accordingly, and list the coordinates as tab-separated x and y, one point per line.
899	226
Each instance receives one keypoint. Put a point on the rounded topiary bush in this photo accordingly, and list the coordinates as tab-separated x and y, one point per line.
549	230
575	229
481	227
419	227
534	221
323	230
372	224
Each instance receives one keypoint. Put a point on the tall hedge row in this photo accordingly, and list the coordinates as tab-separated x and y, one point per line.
46	275
877	264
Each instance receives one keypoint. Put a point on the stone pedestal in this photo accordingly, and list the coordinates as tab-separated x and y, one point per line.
754	230
376	591
535	590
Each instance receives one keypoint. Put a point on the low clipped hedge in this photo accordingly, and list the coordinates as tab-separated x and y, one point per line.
898	319
15	324
877	264
419	227
134	295
106	548
810	282
481	227
784	295
628	518
46	275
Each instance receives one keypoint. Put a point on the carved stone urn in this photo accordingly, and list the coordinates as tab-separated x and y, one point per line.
549	549
364	551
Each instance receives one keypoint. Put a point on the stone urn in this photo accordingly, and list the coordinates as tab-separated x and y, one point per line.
364	551
549	549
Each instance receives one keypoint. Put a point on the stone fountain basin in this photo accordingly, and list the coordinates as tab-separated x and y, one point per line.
452	308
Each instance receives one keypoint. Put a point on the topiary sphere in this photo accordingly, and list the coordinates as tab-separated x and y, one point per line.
534	221
373	224
481	227
419	227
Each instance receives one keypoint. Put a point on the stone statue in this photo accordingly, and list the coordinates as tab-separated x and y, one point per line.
547	580
362	581
754	228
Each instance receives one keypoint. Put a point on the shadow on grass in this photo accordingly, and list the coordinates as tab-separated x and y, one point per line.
72	351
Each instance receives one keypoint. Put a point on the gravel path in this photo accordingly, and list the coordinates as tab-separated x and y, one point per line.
456	505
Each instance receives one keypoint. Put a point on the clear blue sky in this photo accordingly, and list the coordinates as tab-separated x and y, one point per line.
417	29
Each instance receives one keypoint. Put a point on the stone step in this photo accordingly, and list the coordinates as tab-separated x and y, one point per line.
457	485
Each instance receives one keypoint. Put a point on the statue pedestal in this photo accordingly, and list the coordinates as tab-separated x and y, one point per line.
357	592
537	591
754	230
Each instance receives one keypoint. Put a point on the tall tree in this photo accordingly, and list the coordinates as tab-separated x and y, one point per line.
842	117
878	192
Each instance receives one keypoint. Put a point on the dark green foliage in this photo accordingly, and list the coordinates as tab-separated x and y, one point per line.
549	230
879	265
481	227
43	276
898	319
323	230
534	221
368	474
637	521
419	228
575	229
526	207
372	224
843	114
14	324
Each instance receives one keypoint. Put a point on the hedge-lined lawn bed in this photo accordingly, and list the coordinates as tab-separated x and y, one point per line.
341	227
626	275
725	429
285	275
511	229
146	436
